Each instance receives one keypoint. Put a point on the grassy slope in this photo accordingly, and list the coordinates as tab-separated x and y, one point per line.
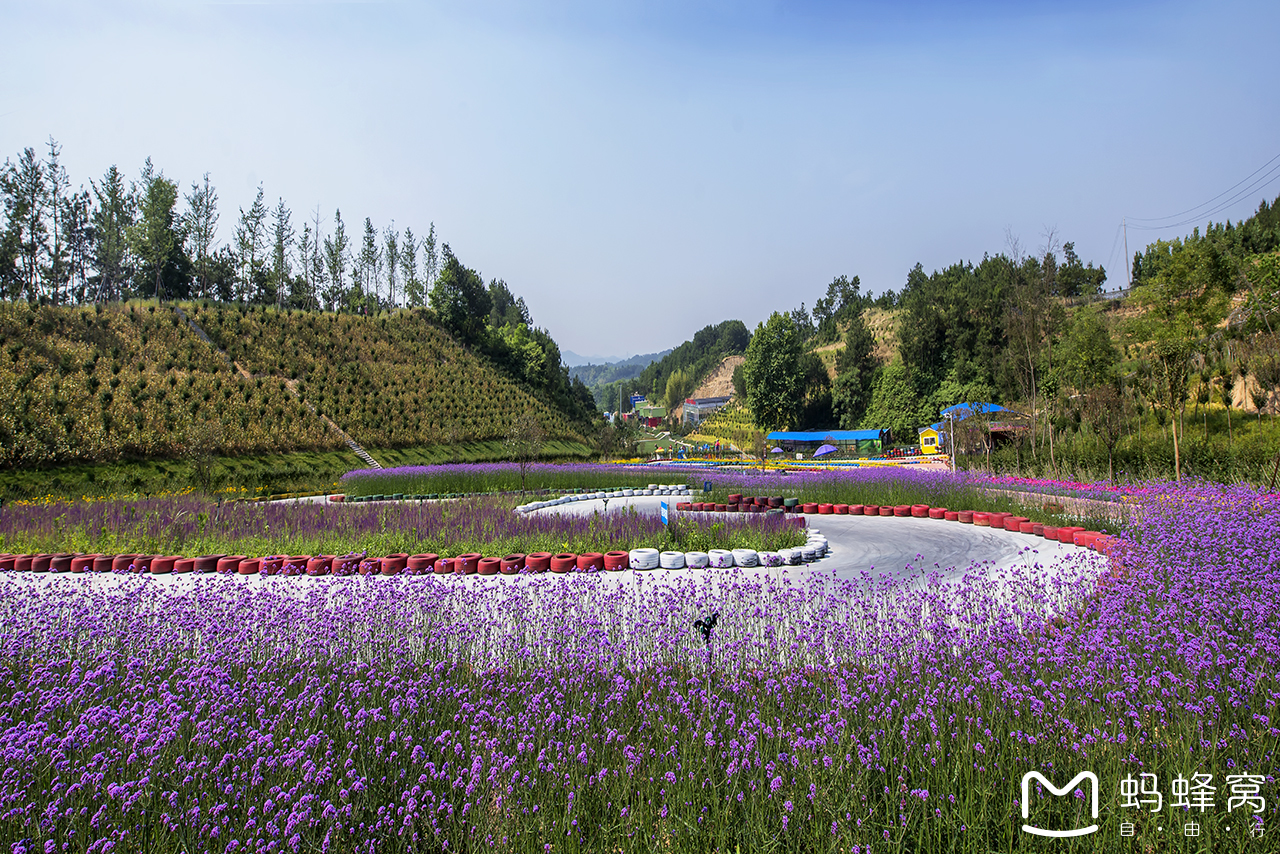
127	398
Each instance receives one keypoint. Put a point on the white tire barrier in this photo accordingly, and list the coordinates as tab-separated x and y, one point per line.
720	558
671	560
771	559
643	558
745	557
695	560
794	557
810	554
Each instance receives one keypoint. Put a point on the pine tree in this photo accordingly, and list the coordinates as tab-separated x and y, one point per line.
250	236
56	269
335	257
391	254
413	295
283	236
201	226
112	218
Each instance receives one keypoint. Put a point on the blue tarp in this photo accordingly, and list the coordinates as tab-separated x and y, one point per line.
828	436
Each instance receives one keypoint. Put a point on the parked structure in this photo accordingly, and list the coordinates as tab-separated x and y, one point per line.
696	409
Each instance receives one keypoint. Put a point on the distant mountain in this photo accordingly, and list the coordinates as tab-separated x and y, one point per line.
573	360
595	374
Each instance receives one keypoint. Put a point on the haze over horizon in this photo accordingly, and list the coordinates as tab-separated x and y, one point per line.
638	171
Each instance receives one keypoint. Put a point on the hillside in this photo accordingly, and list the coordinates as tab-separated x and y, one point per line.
597	375
132	381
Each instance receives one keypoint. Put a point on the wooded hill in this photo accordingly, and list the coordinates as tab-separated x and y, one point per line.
1108	382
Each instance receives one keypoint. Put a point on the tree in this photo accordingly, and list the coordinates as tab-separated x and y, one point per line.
154	239
894	406
56	271
1104	411
200	224
430	259
1086	358
335	257
460	300
391	252
368	268
250	237
679	387
112	219
840	304
524	441
855	369
26	195
413	291
283	236
772	373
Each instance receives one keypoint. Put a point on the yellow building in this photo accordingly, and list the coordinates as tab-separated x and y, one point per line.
930	440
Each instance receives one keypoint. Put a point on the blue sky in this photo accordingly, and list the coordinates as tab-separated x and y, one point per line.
639	170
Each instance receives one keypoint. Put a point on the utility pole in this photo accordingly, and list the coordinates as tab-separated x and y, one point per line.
1128	262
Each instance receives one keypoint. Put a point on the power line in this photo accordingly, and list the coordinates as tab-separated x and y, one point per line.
1211	201
1270	177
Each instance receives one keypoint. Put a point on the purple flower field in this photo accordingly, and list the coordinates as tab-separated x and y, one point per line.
437	714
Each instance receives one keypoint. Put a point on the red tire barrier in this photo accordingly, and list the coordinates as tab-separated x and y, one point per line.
684	505
83	563
615	561
7	562
982	520
370	566
22	563
855	509
230	563
1085	538
272	565
1049	532
102	563
296	565
442	566
1067	534
466	564
811	508
951	516
337	499
185	565
563	562
591	560
142	563
735	499
40	562
886	510
325	564
965	517
762	501
422	564
920	511
1105	544
249	566
826	509
488	566
722	508
747	499
538	561
902	510
937	512
871	510
511	564
61	562
1027	527
1013	523
208	563
164	565
775	500
395	564
1037	529
121	563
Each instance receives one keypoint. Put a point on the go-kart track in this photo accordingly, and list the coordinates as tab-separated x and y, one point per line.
907	550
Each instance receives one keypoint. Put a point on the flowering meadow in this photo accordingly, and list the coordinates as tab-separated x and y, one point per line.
580	714
190	525
500	477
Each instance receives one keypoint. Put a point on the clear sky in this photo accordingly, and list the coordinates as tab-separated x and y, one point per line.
637	170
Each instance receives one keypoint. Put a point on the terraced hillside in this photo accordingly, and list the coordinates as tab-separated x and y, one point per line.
390	382
101	383
135	381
